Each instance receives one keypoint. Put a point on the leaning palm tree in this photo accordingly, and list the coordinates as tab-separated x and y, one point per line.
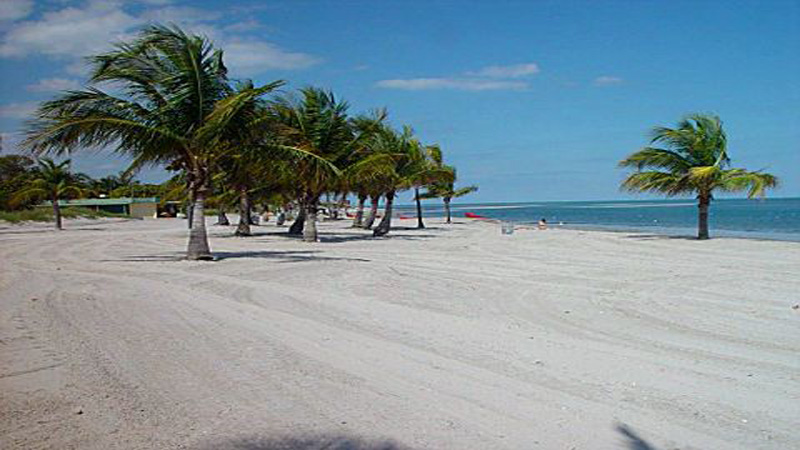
694	161
363	165
410	168
172	106
374	195
447	192
315	123
431	170
54	182
398	149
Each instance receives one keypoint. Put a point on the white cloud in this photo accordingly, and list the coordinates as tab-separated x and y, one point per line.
180	14
460	84
78	68
54	85
240	27
21	110
69	32
490	78
11	10
607	81
512	71
91	27
253	57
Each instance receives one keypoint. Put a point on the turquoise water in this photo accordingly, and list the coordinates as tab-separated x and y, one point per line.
771	218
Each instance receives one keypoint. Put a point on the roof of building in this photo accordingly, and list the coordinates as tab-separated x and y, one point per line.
106	201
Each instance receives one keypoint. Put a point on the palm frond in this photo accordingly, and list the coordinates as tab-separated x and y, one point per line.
739	180
658	182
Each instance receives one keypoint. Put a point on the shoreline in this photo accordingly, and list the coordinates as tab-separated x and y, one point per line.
672	217
666	232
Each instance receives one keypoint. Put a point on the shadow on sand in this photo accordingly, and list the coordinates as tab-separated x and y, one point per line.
283	256
329	238
325	442
632	440
276	255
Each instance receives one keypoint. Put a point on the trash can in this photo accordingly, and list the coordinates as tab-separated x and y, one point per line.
507	227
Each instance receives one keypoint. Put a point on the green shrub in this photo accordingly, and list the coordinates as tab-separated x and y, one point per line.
43	214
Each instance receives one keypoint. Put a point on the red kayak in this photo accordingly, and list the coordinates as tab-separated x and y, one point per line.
470	215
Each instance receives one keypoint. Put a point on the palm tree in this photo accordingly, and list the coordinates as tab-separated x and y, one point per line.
363	165
175	107
409	168
397	149
694	161
431	170
374	199
447	192
15	172
315	123
53	181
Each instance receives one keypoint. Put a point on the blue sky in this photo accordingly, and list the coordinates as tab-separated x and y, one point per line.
532	101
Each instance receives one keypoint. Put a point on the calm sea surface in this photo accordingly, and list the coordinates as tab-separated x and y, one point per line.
771	218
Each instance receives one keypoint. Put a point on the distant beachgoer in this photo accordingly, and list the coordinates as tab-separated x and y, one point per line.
543	224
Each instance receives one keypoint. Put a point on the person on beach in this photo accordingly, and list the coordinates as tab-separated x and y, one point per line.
542	224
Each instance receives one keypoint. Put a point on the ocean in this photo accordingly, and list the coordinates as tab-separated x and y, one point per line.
770	218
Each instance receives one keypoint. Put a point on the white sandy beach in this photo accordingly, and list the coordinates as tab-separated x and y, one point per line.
453	337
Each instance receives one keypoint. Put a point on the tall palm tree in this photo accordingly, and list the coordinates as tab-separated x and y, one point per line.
53	181
694	161
173	106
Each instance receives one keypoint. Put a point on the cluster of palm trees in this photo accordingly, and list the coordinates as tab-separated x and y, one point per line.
170	102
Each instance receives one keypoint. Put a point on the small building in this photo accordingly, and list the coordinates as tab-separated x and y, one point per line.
139	208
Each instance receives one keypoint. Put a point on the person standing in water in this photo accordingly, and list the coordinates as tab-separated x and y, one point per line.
542	224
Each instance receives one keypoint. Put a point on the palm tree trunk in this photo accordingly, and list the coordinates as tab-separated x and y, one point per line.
222	218
419	209
386	223
310	229
702	219
299	223
358	221
373	211
190	212
243	229
198	248
447	209
57	213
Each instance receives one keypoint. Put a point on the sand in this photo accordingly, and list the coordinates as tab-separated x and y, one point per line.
453	337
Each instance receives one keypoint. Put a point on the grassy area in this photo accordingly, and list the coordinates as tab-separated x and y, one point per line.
46	214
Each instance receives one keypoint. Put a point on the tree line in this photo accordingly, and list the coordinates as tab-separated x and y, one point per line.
166	99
